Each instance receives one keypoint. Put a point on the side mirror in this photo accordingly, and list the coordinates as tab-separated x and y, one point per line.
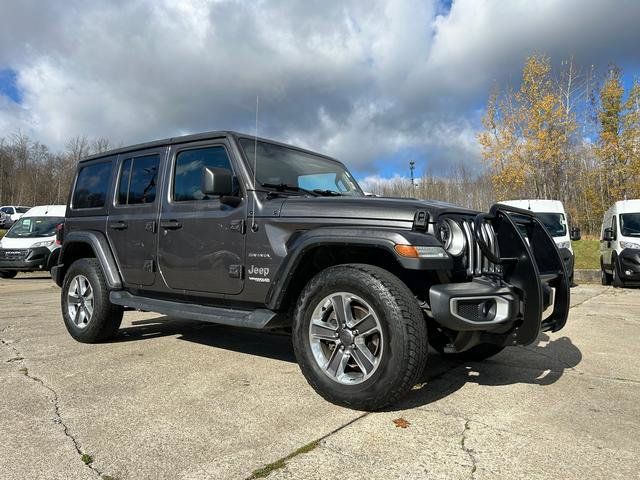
608	234
575	234
216	181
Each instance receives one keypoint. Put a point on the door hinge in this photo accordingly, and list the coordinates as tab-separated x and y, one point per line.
236	271
150	227
238	226
149	266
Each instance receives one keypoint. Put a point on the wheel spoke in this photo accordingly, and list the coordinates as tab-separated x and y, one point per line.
88	310
76	315
337	362
342	308
366	325
322	332
363	357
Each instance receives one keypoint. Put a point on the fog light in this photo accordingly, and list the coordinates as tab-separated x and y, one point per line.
628	272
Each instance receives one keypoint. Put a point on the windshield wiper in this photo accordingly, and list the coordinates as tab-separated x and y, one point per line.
282	187
327	193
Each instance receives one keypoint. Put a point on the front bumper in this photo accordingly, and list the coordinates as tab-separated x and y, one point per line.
25	259
629	265
524	290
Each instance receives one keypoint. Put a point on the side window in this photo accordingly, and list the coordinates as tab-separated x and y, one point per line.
138	180
188	171
23	209
91	186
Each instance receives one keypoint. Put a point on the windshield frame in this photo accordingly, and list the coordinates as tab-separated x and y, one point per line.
259	185
11	232
622	227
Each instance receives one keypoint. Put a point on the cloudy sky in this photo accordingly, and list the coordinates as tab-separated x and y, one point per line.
374	83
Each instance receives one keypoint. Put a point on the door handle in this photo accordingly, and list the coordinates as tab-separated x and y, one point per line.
170	224
118	225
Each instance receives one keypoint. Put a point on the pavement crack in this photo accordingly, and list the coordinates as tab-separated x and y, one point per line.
467	450
266	470
57	419
588	299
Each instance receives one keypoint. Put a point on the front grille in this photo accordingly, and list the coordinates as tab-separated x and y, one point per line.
476	262
13	254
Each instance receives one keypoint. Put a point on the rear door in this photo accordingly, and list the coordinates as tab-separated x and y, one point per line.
201	239
132	225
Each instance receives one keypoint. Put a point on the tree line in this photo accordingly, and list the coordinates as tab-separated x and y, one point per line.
32	174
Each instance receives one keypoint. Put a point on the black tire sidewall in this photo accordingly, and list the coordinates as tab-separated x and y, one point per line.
104	314
388	375
8	274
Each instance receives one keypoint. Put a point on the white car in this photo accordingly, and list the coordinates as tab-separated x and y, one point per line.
554	218
9	214
30	244
620	244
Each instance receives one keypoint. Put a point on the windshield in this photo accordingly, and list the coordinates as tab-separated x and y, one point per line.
554	223
279	165
31	227
630	224
7	210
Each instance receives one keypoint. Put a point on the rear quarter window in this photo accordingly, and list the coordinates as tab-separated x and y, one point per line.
92	185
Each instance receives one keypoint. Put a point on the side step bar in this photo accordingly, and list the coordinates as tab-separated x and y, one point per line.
257	319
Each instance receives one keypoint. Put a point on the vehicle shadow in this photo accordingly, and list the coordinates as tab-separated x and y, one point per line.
542	363
272	345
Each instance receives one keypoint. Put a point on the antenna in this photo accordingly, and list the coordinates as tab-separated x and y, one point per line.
254	227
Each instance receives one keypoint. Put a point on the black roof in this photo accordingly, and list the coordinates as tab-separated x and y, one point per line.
193	138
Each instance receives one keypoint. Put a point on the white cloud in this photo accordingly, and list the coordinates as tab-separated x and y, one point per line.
359	80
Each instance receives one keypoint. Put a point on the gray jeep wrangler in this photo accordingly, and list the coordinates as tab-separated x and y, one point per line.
226	228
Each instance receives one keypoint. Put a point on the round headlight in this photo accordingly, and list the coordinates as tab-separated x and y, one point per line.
452	237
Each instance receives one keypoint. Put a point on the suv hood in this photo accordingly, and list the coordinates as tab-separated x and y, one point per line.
374	208
24	242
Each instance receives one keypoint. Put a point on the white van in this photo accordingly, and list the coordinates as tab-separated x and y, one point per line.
620	244
554	218
30	244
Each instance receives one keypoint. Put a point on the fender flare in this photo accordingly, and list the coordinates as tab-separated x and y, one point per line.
385	239
100	246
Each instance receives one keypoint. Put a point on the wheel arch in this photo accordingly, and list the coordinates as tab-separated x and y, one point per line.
316	250
88	244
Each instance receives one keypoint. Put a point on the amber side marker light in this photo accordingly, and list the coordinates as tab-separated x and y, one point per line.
419	251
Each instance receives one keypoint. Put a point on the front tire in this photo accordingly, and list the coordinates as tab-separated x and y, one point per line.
8	273
359	336
88	314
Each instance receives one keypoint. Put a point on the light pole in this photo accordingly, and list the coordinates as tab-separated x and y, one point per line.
412	166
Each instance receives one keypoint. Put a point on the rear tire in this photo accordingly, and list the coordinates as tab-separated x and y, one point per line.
8	273
88	314
605	278
616	280
373	300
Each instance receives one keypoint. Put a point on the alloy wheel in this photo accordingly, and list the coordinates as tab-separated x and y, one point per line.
80	301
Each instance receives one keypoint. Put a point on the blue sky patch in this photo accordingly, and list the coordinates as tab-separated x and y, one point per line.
8	85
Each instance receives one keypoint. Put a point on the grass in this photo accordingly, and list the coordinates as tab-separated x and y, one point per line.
87	459
267	469
587	253
2	232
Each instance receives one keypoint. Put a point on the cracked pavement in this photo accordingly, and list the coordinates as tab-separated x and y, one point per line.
185	400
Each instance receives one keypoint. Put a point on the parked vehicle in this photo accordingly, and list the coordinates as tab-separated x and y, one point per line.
226	228
554	218
9	214
30	244
620	244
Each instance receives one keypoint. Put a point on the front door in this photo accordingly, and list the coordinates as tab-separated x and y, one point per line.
201	239
133	217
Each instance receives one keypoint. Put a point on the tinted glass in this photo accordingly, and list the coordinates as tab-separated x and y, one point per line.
7	210
22	209
630	224
277	164
34	227
91	186
554	223
138	180
188	172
